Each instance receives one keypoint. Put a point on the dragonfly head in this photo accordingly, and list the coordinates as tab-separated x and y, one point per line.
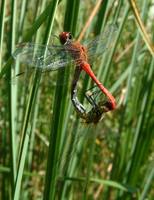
65	37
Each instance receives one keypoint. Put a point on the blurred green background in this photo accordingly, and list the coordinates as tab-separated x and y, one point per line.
47	151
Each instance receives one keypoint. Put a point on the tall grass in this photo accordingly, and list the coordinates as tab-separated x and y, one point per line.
47	151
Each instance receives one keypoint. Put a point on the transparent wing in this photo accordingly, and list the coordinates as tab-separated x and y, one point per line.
101	42
46	57
43	57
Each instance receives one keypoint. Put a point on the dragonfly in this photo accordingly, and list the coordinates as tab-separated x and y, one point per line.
53	57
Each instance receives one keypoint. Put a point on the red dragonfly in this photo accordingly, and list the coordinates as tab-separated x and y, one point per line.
53	57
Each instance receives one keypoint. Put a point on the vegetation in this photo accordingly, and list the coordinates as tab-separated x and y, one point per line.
47	151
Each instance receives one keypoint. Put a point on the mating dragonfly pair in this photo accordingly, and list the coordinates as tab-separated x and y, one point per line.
48	58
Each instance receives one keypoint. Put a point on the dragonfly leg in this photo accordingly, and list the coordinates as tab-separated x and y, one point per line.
91	100
92	95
